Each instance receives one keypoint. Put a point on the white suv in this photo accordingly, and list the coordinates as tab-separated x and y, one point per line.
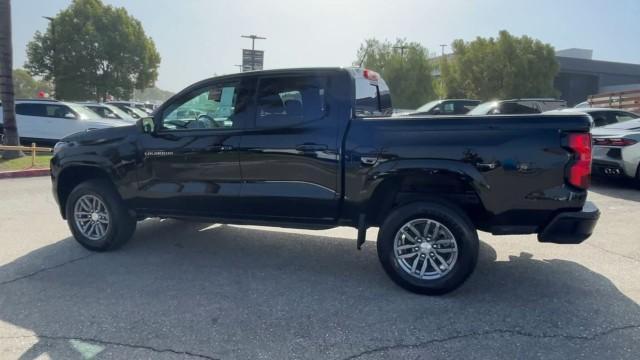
50	120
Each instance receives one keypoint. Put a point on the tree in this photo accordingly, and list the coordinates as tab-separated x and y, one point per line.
91	50
6	82
406	68
152	94
506	67
25	86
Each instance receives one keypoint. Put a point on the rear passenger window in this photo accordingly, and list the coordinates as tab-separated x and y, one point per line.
59	111
31	109
448	108
625	116
289	100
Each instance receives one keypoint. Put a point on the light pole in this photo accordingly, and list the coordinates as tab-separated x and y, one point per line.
53	60
402	48
253	43
443	46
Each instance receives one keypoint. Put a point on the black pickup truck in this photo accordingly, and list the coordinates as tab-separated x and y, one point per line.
317	148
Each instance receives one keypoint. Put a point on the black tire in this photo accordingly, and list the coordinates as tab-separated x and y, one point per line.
121	223
456	222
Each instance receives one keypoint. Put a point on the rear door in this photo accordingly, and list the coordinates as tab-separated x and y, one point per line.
290	159
31	121
62	121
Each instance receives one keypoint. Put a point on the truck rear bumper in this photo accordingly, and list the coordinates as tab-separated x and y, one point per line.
571	227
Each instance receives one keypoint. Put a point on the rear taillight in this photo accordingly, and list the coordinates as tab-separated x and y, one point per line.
621	142
580	170
370	75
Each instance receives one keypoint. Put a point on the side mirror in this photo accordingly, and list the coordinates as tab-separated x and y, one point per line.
146	125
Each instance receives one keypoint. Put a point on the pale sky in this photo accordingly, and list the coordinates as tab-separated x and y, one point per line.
199	38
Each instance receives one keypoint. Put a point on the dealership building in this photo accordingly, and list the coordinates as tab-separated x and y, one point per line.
580	76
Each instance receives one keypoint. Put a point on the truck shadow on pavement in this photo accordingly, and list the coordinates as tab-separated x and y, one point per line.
186	290
625	189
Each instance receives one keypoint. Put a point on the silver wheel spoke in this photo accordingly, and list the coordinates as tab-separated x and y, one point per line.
435	266
436	230
444	241
85	204
92	227
415	264
405	247
405	256
445	250
408	237
101	228
425	233
443	262
414	230
424	267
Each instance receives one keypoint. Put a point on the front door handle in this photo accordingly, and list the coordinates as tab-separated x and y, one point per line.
487	166
218	148
311	147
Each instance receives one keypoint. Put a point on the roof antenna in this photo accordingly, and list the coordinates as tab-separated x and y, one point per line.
364	56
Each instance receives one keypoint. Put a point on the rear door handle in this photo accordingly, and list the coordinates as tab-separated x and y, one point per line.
311	147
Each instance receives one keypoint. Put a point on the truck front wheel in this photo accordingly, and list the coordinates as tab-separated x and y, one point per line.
428	248
97	216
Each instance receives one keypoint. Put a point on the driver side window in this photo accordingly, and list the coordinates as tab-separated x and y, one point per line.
212	107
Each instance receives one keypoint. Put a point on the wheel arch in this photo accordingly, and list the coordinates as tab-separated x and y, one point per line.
73	175
445	182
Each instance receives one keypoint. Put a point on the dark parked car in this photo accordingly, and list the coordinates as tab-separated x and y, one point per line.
316	148
446	107
517	106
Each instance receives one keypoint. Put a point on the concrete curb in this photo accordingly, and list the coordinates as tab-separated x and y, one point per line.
24	173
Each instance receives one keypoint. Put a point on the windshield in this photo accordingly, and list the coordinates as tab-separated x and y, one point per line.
428	106
484	108
139	113
83	112
123	115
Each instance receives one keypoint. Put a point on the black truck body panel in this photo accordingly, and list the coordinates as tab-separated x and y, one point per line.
507	172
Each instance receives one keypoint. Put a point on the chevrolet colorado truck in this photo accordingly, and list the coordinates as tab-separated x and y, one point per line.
317	148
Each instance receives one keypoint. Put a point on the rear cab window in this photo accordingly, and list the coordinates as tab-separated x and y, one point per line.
372	96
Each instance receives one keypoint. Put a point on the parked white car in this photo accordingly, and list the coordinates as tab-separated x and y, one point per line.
605	116
47	121
616	150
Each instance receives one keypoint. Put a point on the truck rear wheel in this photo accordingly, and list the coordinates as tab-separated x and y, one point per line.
97	216
428	248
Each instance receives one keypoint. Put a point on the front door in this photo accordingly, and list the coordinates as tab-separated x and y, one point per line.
290	159
191	164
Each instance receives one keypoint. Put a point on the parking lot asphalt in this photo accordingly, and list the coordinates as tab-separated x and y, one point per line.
192	290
